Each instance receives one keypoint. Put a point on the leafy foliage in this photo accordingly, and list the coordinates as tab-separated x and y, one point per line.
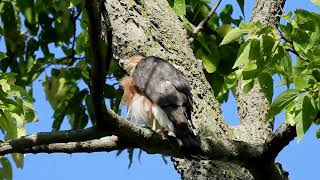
265	53
31	30
217	60
16	110
229	49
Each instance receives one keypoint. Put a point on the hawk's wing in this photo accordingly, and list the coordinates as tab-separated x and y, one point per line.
163	84
167	87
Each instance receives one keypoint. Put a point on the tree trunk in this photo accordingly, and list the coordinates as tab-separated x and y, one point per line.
151	27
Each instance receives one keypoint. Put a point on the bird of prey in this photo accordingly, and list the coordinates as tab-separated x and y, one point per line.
159	96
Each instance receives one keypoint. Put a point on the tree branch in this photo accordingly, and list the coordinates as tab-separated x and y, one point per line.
126	135
293	50
280	139
99	63
204	21
105	144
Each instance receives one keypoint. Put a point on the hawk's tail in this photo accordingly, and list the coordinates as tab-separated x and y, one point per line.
189	143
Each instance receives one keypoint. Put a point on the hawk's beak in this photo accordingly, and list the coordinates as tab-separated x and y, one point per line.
121	63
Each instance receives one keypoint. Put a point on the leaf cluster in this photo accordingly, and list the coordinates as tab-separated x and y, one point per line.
217	60
268	51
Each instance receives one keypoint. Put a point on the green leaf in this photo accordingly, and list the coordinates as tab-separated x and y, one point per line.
90	108
74	3
229	82
309	113
266	84
2	55
300	83
250	71
284	99
287	16
209	65
78	120
28	10
243	58
18	159
316	2
247	25
203	41
210	62
241	5
247	86
234	35
187	25
10	27
82	42
290	114
180	7
318	133
224	29
6	167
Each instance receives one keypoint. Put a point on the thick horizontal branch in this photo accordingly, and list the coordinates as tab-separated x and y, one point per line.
125	135
280	139
105	144
129	136
44	138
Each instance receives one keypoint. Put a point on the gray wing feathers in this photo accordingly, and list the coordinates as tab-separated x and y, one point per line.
162	83
166	86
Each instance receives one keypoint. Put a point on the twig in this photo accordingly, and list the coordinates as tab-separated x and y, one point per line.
204	21
73	53
293	50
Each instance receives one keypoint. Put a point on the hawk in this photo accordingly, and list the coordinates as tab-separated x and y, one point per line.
159	96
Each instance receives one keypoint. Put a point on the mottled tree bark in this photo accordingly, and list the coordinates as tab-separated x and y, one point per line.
247	151
151	27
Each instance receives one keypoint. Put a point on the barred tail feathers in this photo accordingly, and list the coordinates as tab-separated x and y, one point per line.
190	143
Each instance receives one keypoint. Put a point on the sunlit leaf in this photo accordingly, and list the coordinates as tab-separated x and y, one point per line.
18	159
247	86
287	16
300	83
316	2
290	114
210	62
309	113
234	35
282	101
266	84
229	82
243	58
6	167
180	7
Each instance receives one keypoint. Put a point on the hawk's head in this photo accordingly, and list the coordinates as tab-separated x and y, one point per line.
131	62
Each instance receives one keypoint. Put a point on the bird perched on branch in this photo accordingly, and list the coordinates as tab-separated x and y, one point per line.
159	96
